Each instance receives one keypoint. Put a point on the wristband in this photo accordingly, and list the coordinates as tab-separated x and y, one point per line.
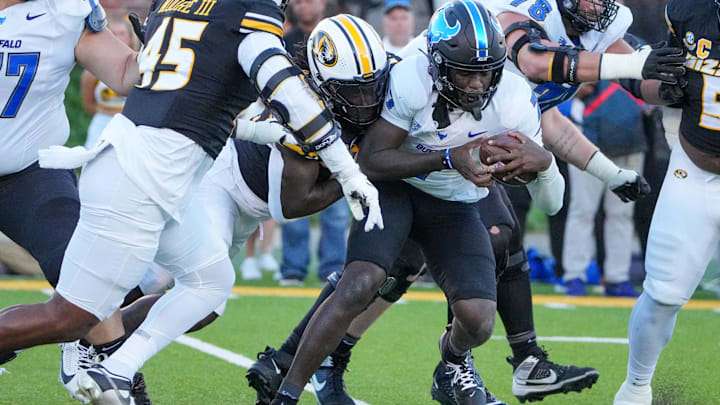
447	162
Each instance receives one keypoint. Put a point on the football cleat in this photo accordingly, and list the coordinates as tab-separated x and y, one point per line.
575	288
624	289
139	390
467	386
629	394
9	356
329	383
102	387
535	377
266	374
74	356
442	392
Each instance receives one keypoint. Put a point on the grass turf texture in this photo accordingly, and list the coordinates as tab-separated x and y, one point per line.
393	363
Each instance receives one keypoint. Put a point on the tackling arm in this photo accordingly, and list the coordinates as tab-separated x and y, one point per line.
300	193
544	61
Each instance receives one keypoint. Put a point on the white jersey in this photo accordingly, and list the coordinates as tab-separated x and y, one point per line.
409	106
37	52
547	14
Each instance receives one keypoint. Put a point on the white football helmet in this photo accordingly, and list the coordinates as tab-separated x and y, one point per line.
349	67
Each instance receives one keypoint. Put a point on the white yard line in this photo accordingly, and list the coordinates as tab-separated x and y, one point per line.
576	339
231	357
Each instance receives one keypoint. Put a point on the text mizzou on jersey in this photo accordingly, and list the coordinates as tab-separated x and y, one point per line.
694	26
191	80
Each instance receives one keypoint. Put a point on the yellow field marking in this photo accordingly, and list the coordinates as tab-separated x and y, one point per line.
433	296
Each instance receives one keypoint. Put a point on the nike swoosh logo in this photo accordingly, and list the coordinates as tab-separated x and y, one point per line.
551	379
32	17
277	370
66	378
317	384
471	135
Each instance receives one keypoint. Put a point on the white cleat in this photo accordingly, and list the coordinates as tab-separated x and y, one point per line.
101	387
250	270
268	263
74	357
629	394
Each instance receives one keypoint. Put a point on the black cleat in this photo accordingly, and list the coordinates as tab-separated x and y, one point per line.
442	392
139	390
536	377
329	383
467	386
7	357
266	374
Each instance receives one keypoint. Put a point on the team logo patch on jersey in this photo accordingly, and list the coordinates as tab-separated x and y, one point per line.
689	40
325	50
680	174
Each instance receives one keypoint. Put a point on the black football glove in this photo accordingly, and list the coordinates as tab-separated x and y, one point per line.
673	94
137	26
664	63
633	191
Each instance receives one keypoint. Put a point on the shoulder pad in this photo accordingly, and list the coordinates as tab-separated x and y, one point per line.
97	19
410	83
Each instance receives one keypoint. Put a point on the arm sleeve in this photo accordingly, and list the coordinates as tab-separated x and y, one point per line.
548	189
301	102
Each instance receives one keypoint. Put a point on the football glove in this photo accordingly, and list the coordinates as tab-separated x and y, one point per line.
663	63
629	185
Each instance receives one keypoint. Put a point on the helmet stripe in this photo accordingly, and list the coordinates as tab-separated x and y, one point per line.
361	47
347	36
479	25
367	42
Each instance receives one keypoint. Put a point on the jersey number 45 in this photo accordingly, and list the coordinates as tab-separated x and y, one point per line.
172	69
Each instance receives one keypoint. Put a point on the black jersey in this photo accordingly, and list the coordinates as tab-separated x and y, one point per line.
694	26
191	79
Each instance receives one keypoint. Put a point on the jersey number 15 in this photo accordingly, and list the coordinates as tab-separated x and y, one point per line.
165	77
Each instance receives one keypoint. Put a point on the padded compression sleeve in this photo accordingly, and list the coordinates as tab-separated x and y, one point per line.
294	94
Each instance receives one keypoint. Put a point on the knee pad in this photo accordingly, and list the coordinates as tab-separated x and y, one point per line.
666	292
214	280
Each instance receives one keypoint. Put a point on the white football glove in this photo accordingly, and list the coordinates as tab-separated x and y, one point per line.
358	190
359	193
262	132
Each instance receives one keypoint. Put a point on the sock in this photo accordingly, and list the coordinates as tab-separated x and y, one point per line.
522	344
346	345
194	296
107	349
514	302
650	330
291	344
290	390
449	351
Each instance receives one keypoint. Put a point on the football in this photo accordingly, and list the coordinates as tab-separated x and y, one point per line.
487	151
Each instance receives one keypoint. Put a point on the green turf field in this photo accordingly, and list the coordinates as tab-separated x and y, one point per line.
393	363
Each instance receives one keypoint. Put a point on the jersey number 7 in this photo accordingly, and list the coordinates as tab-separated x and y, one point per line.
171	70
25	66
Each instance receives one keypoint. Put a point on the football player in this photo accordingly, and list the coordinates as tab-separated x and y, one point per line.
203	62
675	262
39	208
435	113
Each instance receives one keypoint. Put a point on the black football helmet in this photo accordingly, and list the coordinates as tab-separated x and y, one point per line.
464	36
600	17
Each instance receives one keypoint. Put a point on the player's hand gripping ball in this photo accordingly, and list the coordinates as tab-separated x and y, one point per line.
487	151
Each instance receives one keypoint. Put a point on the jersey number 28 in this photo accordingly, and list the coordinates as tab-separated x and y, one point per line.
24	66
172	69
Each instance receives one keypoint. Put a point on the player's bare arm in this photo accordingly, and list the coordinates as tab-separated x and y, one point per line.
536	57
109	59
301	194
380	158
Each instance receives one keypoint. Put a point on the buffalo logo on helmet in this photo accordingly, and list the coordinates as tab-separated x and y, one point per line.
324	49
689	40
440	29
680	174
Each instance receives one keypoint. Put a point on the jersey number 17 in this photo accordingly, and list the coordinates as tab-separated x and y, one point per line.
156	68
24	66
